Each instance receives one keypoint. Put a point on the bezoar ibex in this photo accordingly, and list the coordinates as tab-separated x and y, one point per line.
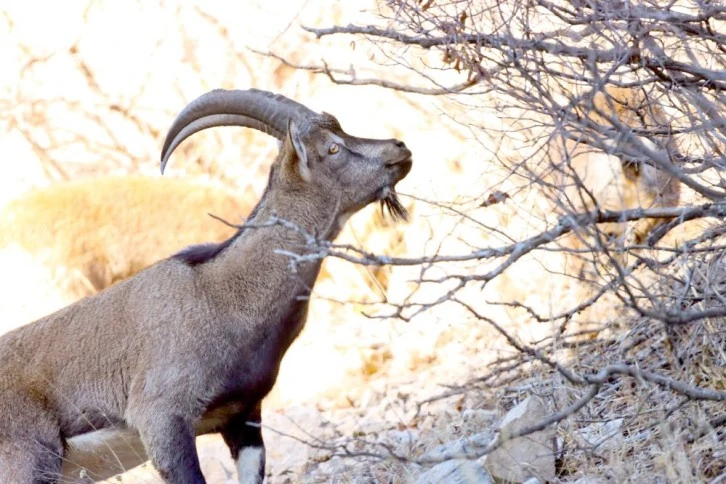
94	232
192	344
617	175
82	236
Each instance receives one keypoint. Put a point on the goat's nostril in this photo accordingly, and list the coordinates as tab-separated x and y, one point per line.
400	144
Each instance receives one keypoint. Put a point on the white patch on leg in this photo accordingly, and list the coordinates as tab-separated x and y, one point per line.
249	463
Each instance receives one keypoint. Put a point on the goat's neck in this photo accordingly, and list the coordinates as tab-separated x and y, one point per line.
309	218
267	273
281	228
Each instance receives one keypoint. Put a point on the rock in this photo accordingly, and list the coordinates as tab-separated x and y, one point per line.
456	471
604	435
591	480
522	458
401	440
479	417
216	461
336	466
287	434
461	448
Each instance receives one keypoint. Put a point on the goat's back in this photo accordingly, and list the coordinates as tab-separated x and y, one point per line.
106	229
70	240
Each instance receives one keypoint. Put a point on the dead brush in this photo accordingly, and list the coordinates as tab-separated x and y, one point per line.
652	393
645	430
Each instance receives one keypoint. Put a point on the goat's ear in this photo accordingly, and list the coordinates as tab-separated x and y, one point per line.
297	155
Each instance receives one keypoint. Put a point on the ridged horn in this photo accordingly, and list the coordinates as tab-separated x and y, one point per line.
252	108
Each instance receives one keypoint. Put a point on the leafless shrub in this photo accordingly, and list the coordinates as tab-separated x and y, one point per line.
606	129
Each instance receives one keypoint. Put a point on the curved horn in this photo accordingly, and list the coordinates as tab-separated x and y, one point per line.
251	108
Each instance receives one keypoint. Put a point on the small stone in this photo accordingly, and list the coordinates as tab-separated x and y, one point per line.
456	471
465	447
400	438
604	435
591	480
522	458
484	418
335	466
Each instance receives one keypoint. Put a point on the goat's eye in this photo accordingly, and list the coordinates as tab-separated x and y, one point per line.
334	148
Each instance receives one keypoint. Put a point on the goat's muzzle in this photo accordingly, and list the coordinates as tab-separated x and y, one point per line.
401	166
401	162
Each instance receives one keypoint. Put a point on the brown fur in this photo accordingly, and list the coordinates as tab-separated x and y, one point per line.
182	349
89	234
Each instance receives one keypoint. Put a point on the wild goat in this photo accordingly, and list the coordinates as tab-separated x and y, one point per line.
73	239
192	344
621	177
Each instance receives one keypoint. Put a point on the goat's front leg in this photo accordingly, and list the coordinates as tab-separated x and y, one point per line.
245	442
170	444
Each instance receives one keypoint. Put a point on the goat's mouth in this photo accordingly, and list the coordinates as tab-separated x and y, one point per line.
403	165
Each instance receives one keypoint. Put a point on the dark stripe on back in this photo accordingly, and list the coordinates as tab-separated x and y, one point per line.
201	253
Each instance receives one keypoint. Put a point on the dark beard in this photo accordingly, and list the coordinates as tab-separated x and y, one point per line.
393	204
